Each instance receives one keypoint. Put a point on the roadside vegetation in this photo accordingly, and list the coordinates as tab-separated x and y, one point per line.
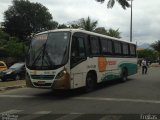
23	19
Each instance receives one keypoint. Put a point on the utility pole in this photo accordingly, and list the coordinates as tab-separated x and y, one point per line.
131	24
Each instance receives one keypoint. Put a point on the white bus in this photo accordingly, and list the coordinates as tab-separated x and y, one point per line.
73	58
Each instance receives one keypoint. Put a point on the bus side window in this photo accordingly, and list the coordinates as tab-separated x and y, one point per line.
106	48
117	48
132	50
125	49
74	50
77	50
95	47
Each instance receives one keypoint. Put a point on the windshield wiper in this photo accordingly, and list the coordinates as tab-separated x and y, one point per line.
49	59
39	55
42	54
45	53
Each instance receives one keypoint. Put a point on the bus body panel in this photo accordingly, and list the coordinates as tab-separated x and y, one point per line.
111	71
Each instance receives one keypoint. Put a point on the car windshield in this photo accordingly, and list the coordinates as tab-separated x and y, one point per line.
16	66
48	50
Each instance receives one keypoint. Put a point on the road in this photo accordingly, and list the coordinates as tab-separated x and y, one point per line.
139	96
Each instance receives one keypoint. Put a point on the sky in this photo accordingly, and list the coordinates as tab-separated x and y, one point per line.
146	16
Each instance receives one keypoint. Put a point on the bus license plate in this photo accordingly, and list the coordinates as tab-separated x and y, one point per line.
41	82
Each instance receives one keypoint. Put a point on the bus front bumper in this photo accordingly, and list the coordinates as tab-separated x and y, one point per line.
62	83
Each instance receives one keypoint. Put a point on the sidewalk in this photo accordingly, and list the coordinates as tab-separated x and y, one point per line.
12	85
152	65
155	65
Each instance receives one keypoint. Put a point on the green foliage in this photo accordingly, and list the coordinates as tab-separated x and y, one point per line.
15	49
148	54
156	46
11	47
86	24
24	18
62	26
101	30
110	4
114	33
110	32
3	38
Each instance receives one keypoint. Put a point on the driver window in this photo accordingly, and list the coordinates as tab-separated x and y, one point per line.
77	49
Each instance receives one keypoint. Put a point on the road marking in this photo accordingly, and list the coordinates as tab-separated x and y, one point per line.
110	117
118	100
13	111
43	112
16	96
91	98
35	115
69	117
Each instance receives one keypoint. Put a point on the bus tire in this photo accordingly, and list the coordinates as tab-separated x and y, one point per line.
124	75
17	77
90	82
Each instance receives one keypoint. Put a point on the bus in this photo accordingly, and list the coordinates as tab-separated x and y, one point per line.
74	58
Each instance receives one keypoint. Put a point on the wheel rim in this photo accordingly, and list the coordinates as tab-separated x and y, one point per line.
124	75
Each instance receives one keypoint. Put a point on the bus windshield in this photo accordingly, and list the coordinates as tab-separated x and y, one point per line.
48	51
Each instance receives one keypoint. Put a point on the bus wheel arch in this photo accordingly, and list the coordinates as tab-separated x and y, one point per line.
124	74
91	81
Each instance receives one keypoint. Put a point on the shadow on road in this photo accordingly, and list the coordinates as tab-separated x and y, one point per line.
66	94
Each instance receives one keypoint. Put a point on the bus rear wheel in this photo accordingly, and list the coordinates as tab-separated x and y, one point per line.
124	75
90	82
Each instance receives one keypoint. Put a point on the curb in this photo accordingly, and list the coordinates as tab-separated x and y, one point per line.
12	87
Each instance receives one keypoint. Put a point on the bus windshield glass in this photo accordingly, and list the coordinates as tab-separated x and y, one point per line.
48	51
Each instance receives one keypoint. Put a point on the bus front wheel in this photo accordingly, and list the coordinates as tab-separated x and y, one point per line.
90	82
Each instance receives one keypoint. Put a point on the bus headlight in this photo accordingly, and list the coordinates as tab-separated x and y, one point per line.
62	80
61	74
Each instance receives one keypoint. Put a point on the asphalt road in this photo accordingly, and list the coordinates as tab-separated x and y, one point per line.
137	98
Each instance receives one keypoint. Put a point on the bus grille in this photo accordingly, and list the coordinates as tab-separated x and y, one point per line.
42	77
43	85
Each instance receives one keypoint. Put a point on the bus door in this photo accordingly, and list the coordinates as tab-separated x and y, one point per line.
78	61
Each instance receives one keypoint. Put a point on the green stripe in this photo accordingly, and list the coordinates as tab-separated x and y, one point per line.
42	77
131	67
110	76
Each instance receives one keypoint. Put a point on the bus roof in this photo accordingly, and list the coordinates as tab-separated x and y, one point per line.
87	32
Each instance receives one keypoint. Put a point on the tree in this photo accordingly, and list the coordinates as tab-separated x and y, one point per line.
24	18
156	47
11	47
110	4
61	26
86	24
147	53
114	33
4	37
15	49
101	30
111	32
